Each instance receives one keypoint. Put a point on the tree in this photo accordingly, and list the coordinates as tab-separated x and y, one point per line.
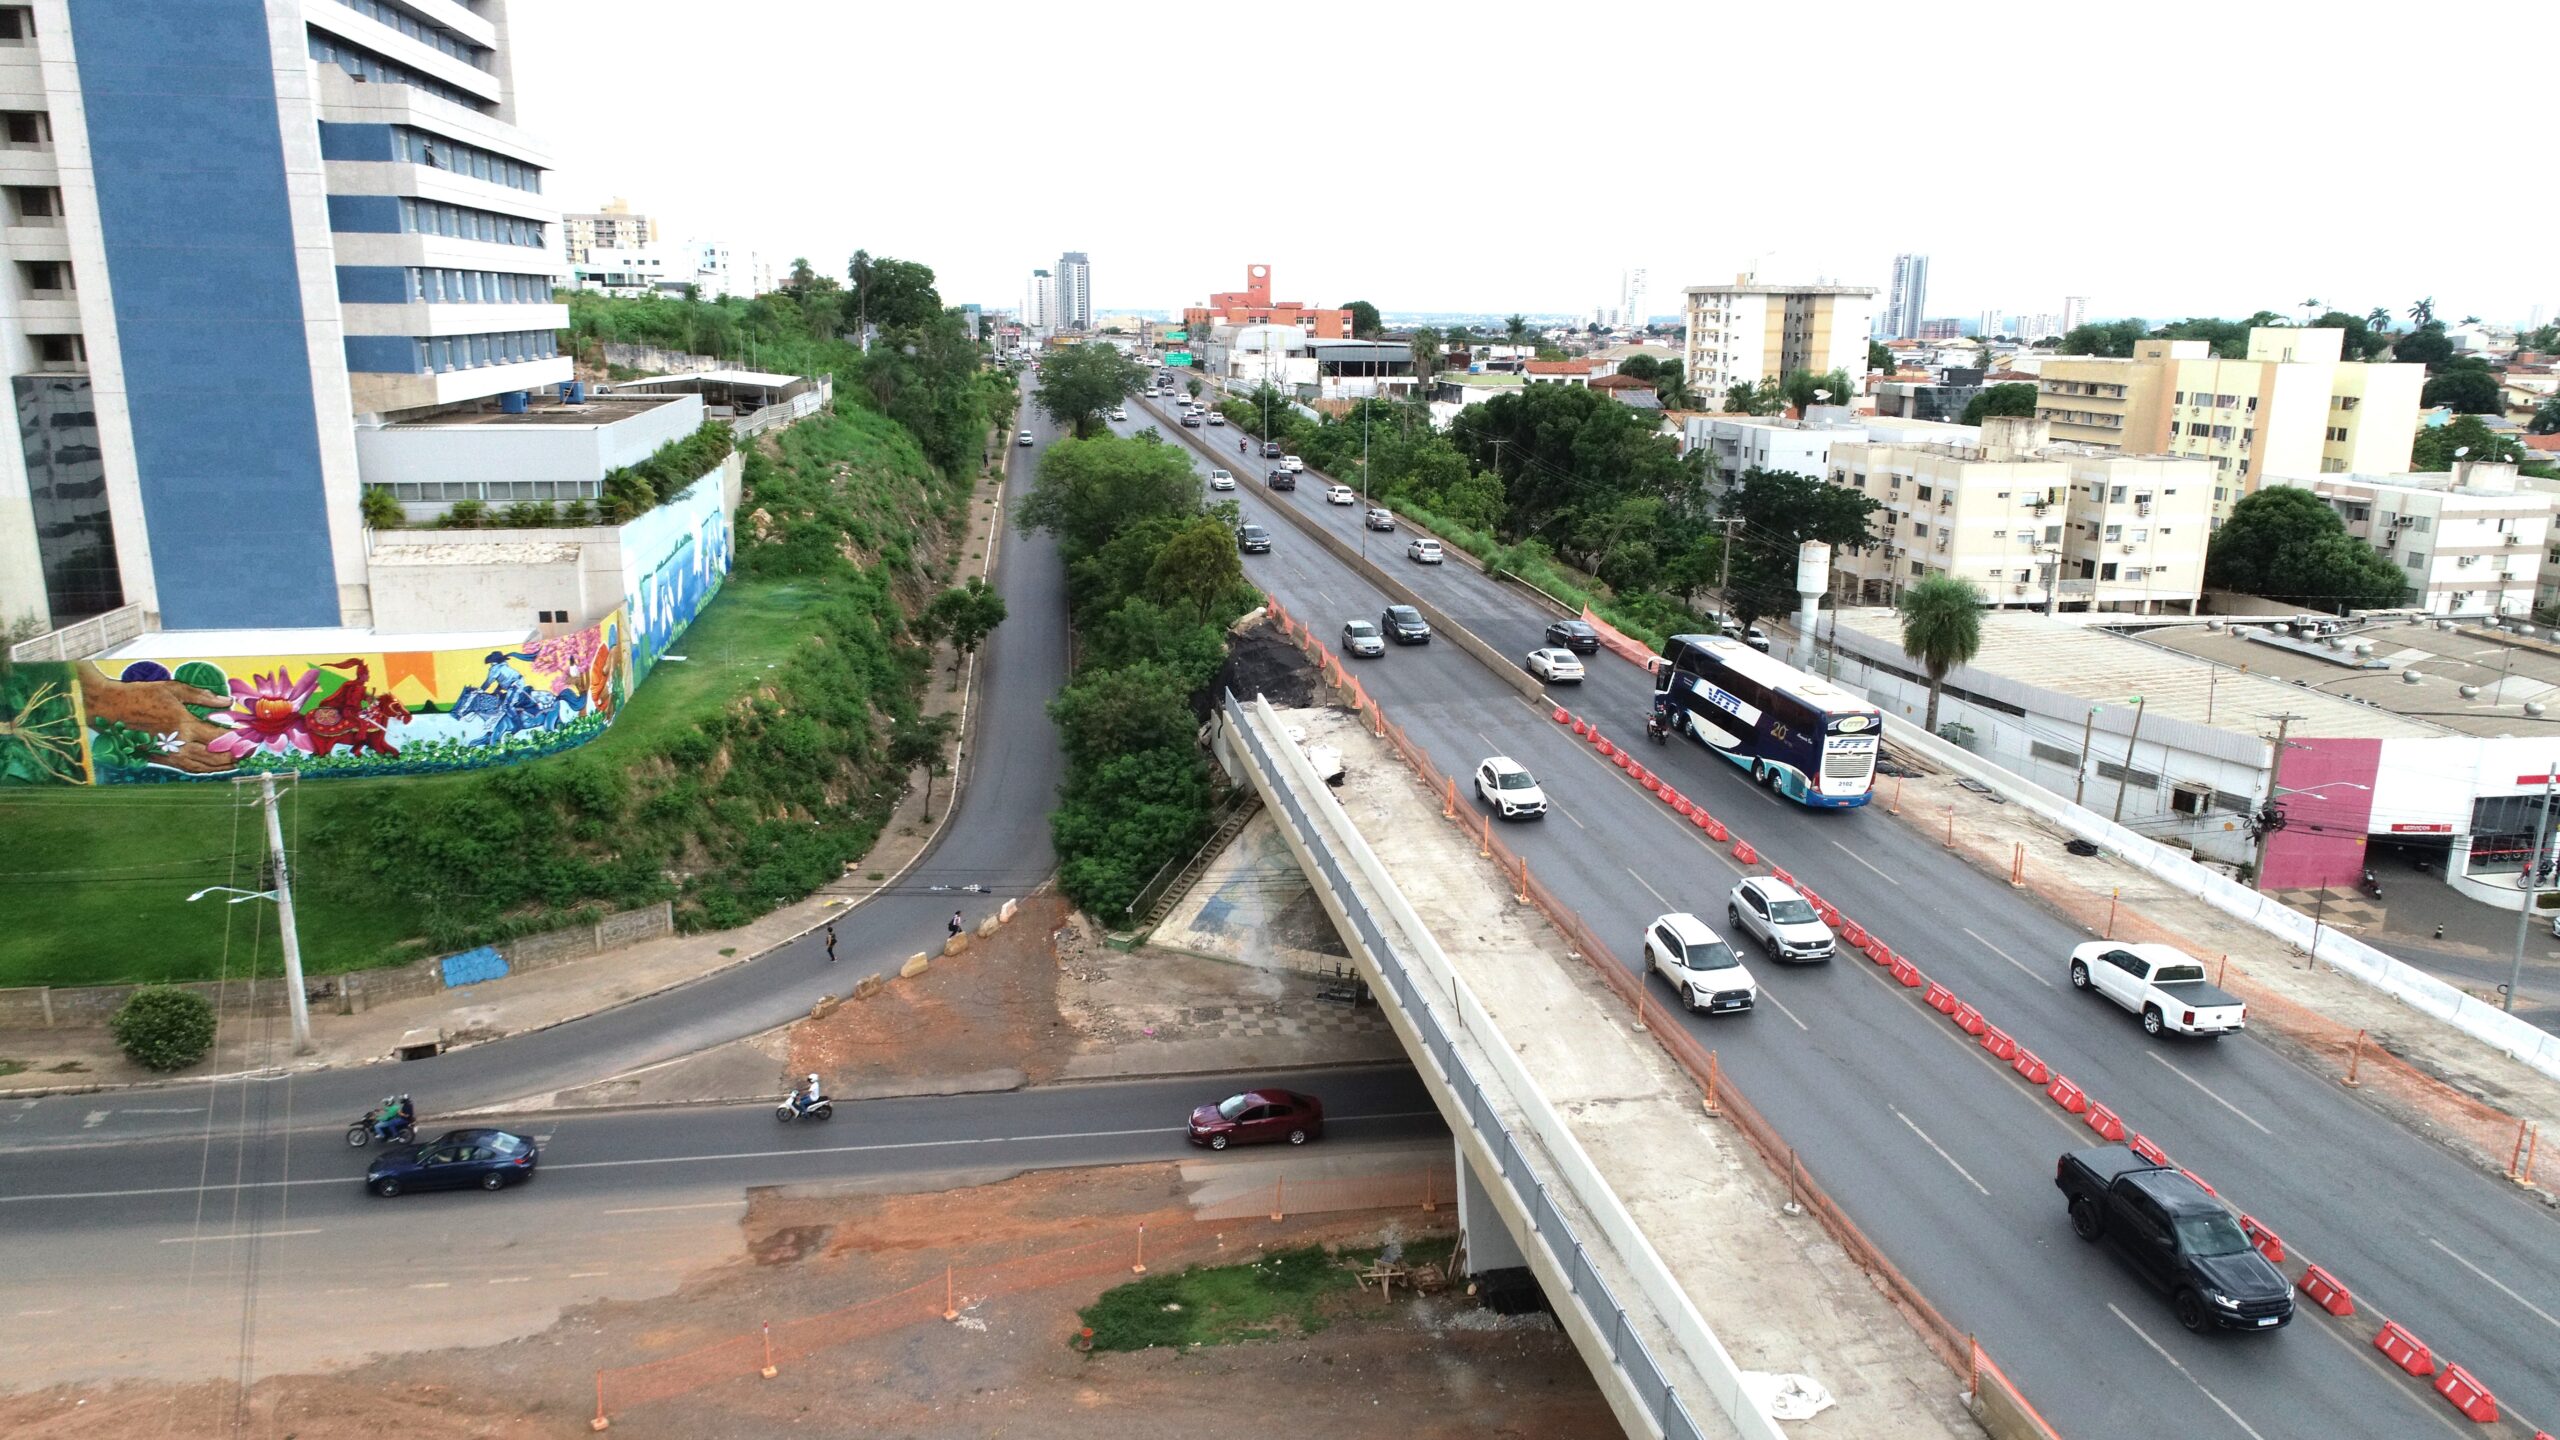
2427	345
2468	386
2310	308
2542	340
2470	434
2423	313
2546	419
892	294
2288	545
1749	399
1364	320
1079	383
1565	454
2378	318
1517	328
163	1028
2016	398
965	615
1799	387
1197	568
1778	511
916	743
1089	491
1426	353
1126	711
1671	386
2112	338
1878	357
2363	341
2227	339
1942	629
380	510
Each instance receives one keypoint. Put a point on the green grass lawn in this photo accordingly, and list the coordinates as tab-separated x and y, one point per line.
1285	1292
94	881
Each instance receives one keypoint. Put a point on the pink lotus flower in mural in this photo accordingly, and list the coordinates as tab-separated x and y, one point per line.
266	716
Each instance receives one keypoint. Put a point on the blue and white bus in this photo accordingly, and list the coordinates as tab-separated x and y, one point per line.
1810	741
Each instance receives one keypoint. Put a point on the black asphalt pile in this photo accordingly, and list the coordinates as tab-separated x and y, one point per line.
1260	660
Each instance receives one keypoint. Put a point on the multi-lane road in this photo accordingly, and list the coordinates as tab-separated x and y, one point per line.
1939	1153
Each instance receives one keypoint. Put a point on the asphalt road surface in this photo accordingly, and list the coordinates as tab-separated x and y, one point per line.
1937	1151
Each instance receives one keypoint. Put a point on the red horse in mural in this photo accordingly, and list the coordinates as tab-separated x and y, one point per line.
353	716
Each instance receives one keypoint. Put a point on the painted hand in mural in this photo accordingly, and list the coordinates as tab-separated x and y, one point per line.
159	707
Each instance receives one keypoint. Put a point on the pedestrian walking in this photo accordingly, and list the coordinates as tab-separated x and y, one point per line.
831	942
955	924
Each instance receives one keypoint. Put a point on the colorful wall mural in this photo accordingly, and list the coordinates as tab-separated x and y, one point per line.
136	721
673	560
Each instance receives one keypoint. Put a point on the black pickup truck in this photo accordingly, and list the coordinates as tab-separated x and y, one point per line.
2176	1235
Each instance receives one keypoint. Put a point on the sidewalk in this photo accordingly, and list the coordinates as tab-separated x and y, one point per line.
75	1060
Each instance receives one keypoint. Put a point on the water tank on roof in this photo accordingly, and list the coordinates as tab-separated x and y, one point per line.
2364	649
2213	625
2410	677
574	392
516	402
2468	692
2535	708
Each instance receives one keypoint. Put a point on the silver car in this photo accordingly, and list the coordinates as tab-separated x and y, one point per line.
1783	921
1359	637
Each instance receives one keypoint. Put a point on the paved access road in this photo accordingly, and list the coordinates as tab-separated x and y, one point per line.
135	1258
1941	1155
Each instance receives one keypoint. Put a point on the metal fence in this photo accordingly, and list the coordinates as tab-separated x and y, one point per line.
1659	1397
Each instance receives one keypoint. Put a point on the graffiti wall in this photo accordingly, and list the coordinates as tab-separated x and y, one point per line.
136	721
673	560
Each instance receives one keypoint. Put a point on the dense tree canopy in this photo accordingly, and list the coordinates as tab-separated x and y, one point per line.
2468	385
2436	444
1364	320
1089	490
2288	545
2017	398
892	294
1567	457
2426	345
1081	382
1777	511
2110	338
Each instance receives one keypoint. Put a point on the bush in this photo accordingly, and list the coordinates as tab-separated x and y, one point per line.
466	515
162	1028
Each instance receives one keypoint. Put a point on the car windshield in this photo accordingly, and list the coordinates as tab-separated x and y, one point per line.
1514	780
1714	955
1360	629
1790	912
1404	614
1234	1105
1574	627
2210	1235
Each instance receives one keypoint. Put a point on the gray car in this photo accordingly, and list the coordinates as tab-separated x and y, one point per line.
1359	637
1783	921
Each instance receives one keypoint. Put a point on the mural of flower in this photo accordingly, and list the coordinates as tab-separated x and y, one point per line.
266	715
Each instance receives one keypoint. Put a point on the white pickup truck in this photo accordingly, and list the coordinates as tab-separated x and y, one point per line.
2161	983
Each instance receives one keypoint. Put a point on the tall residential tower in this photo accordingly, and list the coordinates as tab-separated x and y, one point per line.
1907	303
1075	292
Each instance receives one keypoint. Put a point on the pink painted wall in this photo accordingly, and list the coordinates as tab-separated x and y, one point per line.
2328	817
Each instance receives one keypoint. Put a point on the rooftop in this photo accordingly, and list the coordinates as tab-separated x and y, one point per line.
719	377
332	640
2103	667
2509	671
476	552
1754	287
1563	367
599	409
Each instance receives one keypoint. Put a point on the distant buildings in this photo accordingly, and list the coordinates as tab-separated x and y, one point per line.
2471	544
615	227
1253	305
709	268
1748	331
2075	313
2292	407
1074	292
1907	302
1040	301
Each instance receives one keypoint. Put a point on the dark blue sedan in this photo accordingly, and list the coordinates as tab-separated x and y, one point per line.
455	1160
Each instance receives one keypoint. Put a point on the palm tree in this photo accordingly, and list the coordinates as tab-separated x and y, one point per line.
2309	309
1426	353
2379	318
2422	313
1517	327
1942	629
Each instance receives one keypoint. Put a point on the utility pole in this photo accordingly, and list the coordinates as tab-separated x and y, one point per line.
300	1007
1724	582
2052	581
2080	781
2275	764
2526	888
2125	782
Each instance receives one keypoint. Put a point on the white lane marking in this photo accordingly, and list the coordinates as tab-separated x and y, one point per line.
2218	1100
666	1209
433	1285
1560	810
1783	1010
1861	859
2547	1317
1942	1151
509	1279
2190	1377
219	1239
29	1314
587	1274
96	1119
178	1110
2036	976
1649	890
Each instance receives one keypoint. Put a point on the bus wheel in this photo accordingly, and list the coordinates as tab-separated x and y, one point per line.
1759	776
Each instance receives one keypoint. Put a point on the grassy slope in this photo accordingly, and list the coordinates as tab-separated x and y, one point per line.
1284	1292
747	802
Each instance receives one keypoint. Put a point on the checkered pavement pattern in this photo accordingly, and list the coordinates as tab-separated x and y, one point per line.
1283	1019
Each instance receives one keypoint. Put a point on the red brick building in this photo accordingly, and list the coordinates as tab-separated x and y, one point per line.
1253	305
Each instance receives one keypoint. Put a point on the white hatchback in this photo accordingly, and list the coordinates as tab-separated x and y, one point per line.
1340	495
1221	480
1703	970
1292	464
1425	551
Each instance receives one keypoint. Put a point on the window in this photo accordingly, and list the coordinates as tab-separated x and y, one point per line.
420	147
28	129
2114	496
34	205
1999	534
2115	532
2053	534
61	352
17	24
2133	572
434	217
368	66
45	278
2417	560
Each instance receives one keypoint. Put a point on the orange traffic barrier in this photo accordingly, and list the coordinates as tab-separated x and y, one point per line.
1969	1020
1908	973
1561	715
1706	822
1743	852
1601	742
1782	877
1882	954
2067	1095
1855	934
2326	1292
2209	1190
2141	1145
1997	1041
2031	1068
1680	805
1620	758
2405	1350
2268	1242
2105	1122
1942	999
1715	827
1579	728
2468	1395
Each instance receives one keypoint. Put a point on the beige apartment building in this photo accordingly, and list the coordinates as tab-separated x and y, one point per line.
2473	543
1747	331
2029	522
2292	407
615	227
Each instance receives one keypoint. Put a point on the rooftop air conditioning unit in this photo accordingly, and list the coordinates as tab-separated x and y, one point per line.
2128	549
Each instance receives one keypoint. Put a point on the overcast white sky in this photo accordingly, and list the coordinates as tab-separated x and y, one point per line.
1498	156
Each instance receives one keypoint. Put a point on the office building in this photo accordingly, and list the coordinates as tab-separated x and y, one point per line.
1253	305
2472	544
1749	331
1040	301
614	227
2027	522
2075	313
234	254
1907	302
1631	300
2291	407
1075	291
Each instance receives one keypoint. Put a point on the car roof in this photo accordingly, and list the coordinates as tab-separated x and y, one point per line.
1358	625
1504	763
1557	651
1268	1093
1404	610
1688	928
1426	540
1574	625
1770	887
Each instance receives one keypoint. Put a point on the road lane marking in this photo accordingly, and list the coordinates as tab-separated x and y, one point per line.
1861	859
2190	1377
2035	975
96	1118
2547	1317
588	1274
1942	1152
179	1110
509	1279
1649	890
1559	809
218	1239
665	1209
2218	1100
1774	1000
31	1314
2390	1375
433	1285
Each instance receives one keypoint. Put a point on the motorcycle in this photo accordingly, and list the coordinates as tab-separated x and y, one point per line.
361	1133
2372	886
1656	729
786	1112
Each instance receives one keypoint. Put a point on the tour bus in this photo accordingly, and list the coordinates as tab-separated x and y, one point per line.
1810	741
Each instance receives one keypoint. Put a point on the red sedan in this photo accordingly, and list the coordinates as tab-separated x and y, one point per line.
1256	1116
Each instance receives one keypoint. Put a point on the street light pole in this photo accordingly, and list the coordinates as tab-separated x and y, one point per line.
2526	888
300	1007
2125	782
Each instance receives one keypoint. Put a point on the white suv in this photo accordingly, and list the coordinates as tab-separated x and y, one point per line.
1509	790
1782	920
1703	970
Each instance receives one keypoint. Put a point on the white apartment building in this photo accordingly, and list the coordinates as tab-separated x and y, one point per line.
2472	544
709	266
1748	331
1073	308
2027	522
615	227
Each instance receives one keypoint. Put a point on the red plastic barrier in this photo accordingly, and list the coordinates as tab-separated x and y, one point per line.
2209	1190
1908	973
1715	827
1680	805
1941	999
1882	954
2033	1069
1854	933
1997	1041
2105	1122
2141	1145
1783	878
2326	1292
2468	1395
2067	1095
1562	715
2268	1242
1618	758
1969	1020
1602	741
1743	852
2406	1350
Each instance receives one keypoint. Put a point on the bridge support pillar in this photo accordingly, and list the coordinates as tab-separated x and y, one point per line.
1489	1243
